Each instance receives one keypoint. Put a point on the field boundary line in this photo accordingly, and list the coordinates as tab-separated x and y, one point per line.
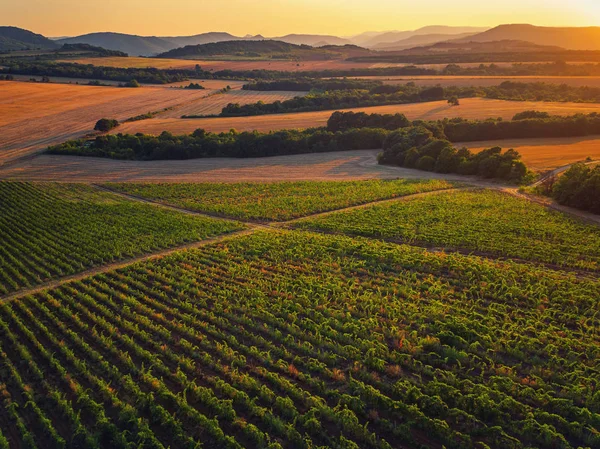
270	224
111	266
183	210
276	224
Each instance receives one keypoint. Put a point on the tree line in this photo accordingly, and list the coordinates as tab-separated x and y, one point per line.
417	147
162	76
410	93
579	187
526	124
341	99
308	84
412	147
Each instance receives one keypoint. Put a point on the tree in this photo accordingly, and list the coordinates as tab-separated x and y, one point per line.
453	101
106	124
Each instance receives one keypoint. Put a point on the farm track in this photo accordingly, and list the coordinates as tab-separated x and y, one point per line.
253	226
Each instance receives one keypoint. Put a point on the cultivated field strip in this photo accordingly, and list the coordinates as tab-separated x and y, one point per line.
486	222
299	340
470	108
214	104
55	230
276	201
33	116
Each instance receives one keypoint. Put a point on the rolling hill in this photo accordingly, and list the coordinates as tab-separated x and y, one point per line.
395	36
266	48
418	40
152	45
573	38
13	38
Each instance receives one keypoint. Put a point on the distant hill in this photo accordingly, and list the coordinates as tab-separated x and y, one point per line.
128	43
419	40
315	40
467	47
13	38
265	48
395	36
573	38
151	46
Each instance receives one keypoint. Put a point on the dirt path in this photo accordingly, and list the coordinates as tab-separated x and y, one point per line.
122	264
277	226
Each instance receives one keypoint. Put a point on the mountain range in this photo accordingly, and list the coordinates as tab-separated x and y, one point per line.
572	38
152	45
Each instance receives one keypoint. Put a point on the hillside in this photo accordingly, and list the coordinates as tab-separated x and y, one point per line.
127	43
419	40
395	36
152	45
573	38
13	38
265	48
313	39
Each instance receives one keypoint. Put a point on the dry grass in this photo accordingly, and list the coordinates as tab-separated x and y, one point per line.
214	65
471	108
33	116
291	66
546	154
592	81
343	165
538	154
214	104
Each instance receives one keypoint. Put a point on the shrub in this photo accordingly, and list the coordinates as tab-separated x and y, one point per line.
106	124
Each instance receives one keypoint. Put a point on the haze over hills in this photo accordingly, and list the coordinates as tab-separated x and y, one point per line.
266	48
420	39
395	36
13	38
573	38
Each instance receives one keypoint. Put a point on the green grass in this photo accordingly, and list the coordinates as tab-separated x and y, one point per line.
300	340
276	201
488	222
51	230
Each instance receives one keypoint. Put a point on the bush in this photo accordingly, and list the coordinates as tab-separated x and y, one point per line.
106	124
579	187
426	163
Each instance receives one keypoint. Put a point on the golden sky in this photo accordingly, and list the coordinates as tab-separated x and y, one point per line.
279	17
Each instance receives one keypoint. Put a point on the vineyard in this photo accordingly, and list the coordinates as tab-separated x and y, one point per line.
483	222
299	340
82	227
283	338
276	201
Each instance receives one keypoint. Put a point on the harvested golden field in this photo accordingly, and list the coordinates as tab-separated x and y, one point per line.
539	154
33	116
341	165
546	154
215	65
291	66
592	81
471	108
214	104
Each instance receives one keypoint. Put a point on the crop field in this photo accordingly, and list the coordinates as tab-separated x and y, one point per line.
484	81
214	104
334	166
485	222
299	340
283	65
470	108
35	115
545	154
215	65
53	230
276	201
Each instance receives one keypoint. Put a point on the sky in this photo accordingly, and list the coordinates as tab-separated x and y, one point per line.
279	17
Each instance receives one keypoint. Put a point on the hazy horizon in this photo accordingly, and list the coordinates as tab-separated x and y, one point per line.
274	18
